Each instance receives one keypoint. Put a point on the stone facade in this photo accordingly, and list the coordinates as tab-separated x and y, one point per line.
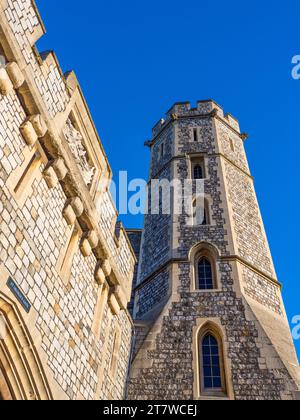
245	309
66	266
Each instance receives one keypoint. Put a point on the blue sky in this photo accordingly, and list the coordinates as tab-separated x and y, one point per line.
134	59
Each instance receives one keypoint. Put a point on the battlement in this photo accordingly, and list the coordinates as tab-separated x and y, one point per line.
203	108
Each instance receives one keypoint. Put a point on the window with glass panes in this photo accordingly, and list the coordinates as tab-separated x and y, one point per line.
198	172
205	274
212	378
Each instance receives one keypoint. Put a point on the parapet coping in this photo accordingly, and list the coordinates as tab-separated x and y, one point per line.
228	258
212	114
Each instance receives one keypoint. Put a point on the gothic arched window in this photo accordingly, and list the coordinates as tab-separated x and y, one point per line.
212	367
212	377
205	274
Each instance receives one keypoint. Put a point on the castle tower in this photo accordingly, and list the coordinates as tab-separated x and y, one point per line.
210	320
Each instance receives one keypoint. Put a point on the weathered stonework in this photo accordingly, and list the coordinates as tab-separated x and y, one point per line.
66	264
135	237
246	305
57	227
75	141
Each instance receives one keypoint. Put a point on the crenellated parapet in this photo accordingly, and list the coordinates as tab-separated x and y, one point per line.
205	109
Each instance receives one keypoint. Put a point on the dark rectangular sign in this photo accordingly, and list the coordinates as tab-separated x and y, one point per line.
18	294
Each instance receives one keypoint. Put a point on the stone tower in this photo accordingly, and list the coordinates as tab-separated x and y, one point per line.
210	320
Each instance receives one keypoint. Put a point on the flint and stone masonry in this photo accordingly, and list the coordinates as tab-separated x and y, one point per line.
244	310
66	265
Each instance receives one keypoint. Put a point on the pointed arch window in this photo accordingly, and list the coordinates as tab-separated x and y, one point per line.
212	377
205	274
212	367
204	259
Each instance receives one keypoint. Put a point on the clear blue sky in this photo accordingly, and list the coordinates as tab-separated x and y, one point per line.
134	59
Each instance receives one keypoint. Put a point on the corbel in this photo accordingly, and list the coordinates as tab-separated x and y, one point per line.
69	215
99	275
15	74
50	177
106	267
39	125
113	304
85	248
6	86
120	297
92	238
77	206
28	133
60	169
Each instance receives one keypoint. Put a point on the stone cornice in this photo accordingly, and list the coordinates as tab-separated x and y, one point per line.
178	157
176	117
229	258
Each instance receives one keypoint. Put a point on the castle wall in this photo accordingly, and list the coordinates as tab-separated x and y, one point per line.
57	223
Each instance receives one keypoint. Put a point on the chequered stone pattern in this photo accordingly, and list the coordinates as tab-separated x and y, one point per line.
121	253
237	155
23	20
262	290
31	241
215	232
248	228
34	236
159	161
153	293
12	115
155	247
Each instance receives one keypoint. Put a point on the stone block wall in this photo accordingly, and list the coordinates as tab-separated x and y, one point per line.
152	294
248	227
155	248
44	200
